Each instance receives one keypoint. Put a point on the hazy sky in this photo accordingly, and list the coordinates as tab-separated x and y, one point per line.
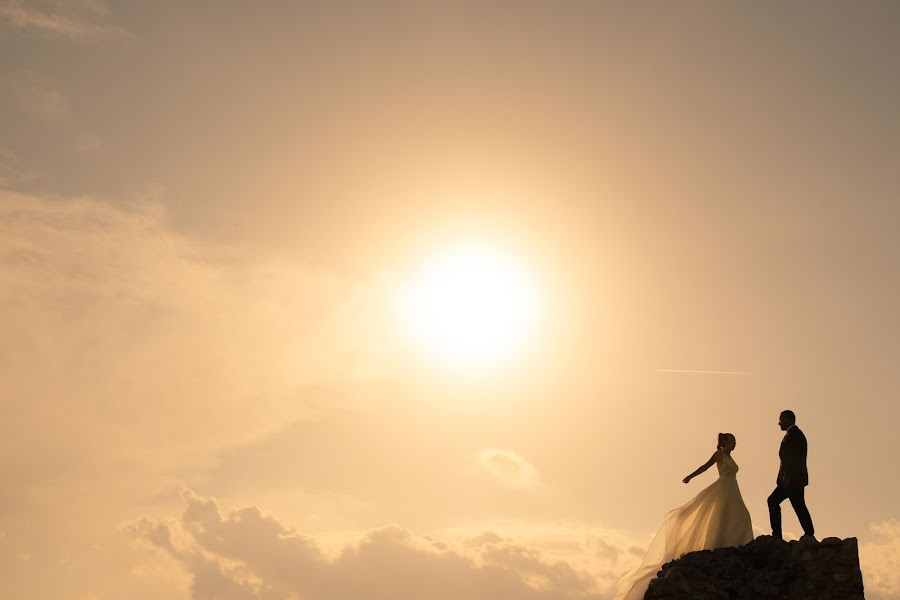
208	211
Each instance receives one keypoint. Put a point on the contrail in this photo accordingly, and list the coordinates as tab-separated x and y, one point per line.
708	372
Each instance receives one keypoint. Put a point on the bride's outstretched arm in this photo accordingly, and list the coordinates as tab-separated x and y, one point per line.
704	467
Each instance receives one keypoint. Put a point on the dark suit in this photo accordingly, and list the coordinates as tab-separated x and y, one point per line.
792	479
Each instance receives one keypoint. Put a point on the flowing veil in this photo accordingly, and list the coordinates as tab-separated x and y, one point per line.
714	518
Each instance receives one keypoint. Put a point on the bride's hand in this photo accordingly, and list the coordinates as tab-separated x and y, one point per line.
686	479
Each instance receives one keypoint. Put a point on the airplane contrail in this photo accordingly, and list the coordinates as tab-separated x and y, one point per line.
708	372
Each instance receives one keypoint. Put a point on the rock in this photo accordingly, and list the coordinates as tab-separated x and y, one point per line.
850	546
765	569
678	579
806	542
764	588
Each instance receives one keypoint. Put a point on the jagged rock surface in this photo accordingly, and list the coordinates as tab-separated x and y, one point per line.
764	569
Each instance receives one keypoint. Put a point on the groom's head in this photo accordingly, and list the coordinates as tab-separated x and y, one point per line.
786	419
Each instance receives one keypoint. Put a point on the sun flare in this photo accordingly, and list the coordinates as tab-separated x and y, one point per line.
471	305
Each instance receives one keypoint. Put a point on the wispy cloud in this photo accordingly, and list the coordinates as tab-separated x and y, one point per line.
81	21
37	97
42	108
507	466
707	372
112	323
12	172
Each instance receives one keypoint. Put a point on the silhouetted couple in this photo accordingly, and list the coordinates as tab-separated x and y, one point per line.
717	517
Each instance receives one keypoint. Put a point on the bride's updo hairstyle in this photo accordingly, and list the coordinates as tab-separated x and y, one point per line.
724	438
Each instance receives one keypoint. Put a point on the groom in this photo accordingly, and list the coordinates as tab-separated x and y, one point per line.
792	476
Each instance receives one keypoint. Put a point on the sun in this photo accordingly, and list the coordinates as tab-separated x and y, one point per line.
471	305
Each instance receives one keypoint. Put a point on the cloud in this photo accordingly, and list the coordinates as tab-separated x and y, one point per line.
604	549
507	466
605	553
691	371
133	356
120	333
881	561
12	172
84	20
35	105
37	98
251	554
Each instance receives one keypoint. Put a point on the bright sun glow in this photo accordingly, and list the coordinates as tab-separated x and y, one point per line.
471	305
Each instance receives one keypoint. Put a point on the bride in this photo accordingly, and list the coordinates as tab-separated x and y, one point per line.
714	518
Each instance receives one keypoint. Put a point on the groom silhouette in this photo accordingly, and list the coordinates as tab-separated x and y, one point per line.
792	476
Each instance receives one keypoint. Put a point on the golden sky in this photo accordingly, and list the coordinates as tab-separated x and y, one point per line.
435	299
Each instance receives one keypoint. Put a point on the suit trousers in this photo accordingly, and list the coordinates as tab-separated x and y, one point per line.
795	495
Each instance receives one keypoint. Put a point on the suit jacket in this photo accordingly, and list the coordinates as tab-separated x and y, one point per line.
792	473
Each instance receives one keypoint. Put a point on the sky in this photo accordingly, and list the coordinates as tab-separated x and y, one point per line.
680	219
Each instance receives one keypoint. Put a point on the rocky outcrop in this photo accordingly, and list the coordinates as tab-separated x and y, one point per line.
764	569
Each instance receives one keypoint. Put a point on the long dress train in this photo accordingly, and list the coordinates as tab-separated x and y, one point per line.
715	518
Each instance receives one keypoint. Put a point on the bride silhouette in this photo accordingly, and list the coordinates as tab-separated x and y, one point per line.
714	518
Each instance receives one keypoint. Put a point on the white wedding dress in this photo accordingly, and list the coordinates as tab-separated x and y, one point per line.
714	518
